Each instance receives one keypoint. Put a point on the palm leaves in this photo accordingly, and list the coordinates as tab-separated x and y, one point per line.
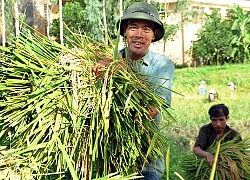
55	113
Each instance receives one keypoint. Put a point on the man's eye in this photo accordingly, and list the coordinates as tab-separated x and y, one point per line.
132	27
147	30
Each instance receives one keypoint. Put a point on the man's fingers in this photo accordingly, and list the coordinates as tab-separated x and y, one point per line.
97	68
211	163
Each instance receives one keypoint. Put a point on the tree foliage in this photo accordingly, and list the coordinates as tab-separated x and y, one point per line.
240	21
9	27
87	19
80	21
214	38
223	40
181	9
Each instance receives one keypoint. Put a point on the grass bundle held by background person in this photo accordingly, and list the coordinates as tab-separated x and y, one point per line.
233	162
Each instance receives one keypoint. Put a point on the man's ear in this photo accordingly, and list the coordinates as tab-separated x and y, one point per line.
124	30
155	33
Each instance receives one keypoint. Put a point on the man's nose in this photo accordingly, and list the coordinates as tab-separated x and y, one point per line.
139	32
218	123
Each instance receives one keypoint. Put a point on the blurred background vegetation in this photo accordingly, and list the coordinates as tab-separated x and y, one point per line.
221	39
191	109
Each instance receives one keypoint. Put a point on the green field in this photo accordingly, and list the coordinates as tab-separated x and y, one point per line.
190	108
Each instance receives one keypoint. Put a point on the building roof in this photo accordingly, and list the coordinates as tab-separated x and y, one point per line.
245	3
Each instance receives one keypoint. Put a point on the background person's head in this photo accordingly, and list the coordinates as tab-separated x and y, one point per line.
202	82
218	110
219	116
212	95
231	86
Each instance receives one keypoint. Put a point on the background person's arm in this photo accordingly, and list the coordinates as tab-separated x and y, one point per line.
207	155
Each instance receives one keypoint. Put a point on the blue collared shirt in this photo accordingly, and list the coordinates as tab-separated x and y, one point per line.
159	70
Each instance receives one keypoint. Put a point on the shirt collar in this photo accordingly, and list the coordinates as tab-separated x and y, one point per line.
212	130
145	59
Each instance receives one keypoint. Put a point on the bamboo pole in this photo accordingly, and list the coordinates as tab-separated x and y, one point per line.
61	21
16	18
215	161
121	38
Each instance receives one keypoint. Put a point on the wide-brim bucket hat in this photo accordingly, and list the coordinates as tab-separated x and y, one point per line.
230	84
212	91
145	11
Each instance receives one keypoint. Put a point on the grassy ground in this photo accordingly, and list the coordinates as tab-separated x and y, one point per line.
190	108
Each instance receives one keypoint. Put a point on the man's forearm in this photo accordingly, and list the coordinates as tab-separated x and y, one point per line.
199	152
207	155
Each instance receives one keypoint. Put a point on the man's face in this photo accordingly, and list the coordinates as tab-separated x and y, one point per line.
139	35
219	123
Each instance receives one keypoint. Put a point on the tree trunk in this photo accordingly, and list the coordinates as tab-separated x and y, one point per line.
104	21
61	21
182	38
164	39
217	58
48	16
121	38
16	18
3	25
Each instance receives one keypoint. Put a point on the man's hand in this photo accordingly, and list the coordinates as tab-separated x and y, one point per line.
152	111
210	159
101	65
98	68
207	155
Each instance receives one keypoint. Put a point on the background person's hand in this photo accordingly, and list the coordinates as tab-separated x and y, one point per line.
210	159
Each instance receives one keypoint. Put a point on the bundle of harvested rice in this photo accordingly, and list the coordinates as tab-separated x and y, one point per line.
58	116
233	162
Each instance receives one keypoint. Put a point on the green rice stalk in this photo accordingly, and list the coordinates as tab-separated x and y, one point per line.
215	161
168	162
178	175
